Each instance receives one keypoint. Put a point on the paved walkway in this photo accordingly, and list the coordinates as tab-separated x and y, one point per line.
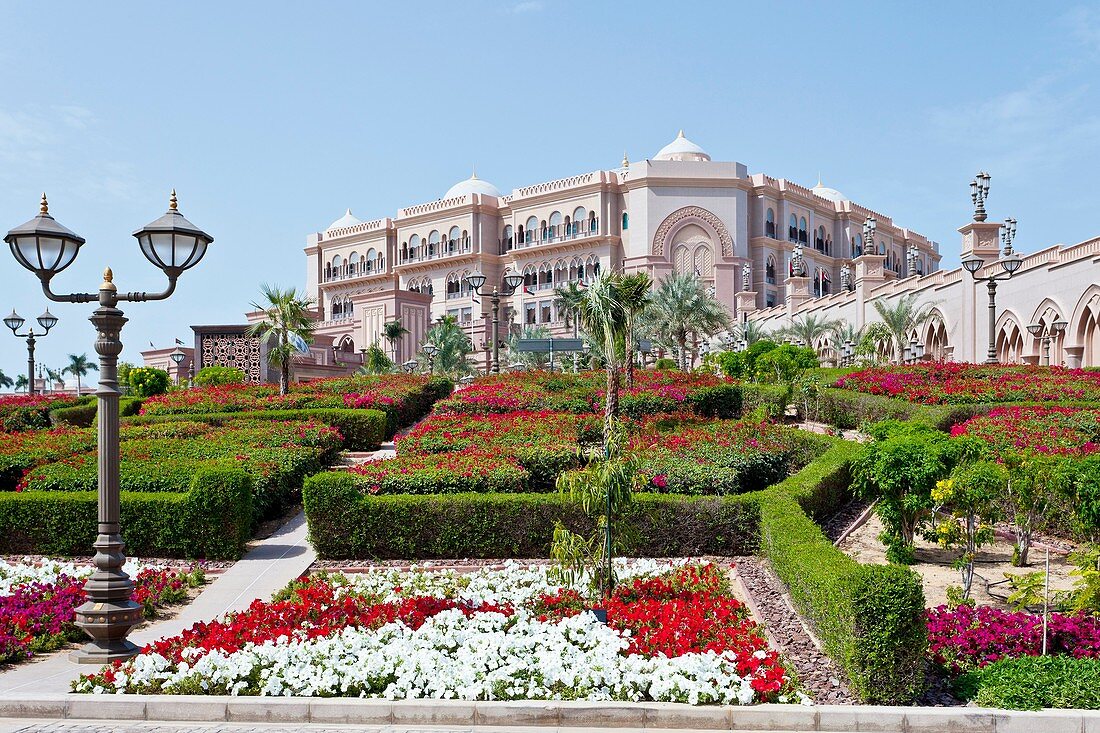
267	567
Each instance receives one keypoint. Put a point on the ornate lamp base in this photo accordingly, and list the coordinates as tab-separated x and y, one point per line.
107	624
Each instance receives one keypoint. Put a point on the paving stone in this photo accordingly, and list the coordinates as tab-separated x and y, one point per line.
940	720
185	707
773	718
602	715
268	710
1047	721
674	716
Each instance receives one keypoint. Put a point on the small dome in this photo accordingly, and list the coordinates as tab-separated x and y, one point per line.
828	193
682	149
347	220
473	184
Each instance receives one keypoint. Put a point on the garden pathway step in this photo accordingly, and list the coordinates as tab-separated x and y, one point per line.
268	566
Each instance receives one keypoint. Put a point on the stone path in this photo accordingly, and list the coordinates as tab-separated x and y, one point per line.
267	567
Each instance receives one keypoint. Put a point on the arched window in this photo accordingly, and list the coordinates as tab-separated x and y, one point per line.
414	248
822	280
769	223
882	248
543	230
353	260
576	269
369	260
819	240
792	230
579	215
433	243
561	273
592	224
857	246
555	225
626	221
454	238
769	271
532	225
337	266
328	271
453	286
803	235
506	240
530	278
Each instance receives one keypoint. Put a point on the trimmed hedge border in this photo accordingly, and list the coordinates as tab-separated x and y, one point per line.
362	429
345	524
212	520
870	618
83	415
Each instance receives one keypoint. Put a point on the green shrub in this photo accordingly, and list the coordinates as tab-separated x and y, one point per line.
343	523
211	520
148	381
80	416
1033	683
771	398
665	364
362	429
723	401
216	376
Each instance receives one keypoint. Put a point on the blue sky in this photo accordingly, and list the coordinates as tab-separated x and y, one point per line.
271	118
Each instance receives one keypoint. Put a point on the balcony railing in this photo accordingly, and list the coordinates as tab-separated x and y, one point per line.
552	235
352	272
447	248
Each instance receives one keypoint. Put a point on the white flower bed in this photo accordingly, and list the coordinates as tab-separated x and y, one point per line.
48	571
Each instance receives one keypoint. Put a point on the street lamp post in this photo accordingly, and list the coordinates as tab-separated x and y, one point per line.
177	357
1010	262
870	226
509	285
191	373
45	247
1046	334
430	350
47	321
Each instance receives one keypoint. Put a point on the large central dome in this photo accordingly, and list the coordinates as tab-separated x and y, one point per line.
473	184
682	149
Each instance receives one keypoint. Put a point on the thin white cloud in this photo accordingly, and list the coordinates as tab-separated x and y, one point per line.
526	6
1083	24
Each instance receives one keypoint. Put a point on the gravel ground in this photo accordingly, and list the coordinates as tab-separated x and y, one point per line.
837	523
821	679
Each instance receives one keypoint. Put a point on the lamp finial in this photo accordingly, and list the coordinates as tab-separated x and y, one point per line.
108	281
44	207
172	204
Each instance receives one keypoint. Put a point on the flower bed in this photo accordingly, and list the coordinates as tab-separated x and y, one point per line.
29	412
674	634
1064	431
969	637
953	383
38	602
445	473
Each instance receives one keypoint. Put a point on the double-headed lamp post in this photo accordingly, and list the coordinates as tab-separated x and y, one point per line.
45	247
1046	334
47	321
1010	262
177	357
430	349
509	285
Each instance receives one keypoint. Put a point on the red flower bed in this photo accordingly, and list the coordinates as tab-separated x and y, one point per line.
1065	431
952	383
29	412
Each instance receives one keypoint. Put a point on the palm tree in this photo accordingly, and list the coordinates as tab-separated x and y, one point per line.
53	375
530	359
5	380
750	332
452	347
287	325
808	329
375	361
902	318
393	331
79	367
681	309
602	316
634	294
21	383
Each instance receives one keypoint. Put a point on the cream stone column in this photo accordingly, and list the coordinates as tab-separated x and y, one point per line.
983	239
798	292
870	272
746	302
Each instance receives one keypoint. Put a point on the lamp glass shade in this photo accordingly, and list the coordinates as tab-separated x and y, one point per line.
1034	328
512	283
177	356
172	243
1012	263
475	281
1059	326
43	246
430	349
972	263
14	321
47	320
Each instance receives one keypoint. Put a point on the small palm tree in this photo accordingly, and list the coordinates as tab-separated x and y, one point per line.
392	332
452	347
750	332
902	318
808	329
846	332
375	361
79	366
602	316
21	383
530	359
53	375
680	310
634	294
5	380
287	325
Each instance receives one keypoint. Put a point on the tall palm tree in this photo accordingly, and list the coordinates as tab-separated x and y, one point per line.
634	294
393	331
809	329
681	309
53	375
602	316
903	317
287	324
846	332
79	366
530	359
568	298
5	380
452	347
750	332
21	383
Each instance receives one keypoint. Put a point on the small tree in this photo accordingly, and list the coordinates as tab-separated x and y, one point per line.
5	380
785	364
742	364
148	381
215	376
901	318
967	506
1030	496
287	328
452	347
393	331
634	294
79	366
21	383
375	361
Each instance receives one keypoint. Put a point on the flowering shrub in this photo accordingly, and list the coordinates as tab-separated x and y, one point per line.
38	602
953	383
443	473
969	637
500	634
1065	431
29	412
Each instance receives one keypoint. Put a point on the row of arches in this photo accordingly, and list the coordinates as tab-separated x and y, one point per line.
546	275
435	244
582	223
1080	340
355	265
341	308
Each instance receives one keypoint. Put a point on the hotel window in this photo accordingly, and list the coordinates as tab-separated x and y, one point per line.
803	235
857	246
555	225
453	313
531	314
769	223
532	225
507	238
545	311
769	299
769	271
626	221
467	315
792	230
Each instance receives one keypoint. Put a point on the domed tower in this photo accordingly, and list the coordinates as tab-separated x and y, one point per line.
682	149
473	184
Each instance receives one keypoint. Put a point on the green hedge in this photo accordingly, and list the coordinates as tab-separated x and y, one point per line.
870	618
1033	683
345	524
772	397
83	415
212	520
362	429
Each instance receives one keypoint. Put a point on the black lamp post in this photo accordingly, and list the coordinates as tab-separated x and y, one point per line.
177	358
430	349
47	321
1010	262
45	247
1046	334
509	285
